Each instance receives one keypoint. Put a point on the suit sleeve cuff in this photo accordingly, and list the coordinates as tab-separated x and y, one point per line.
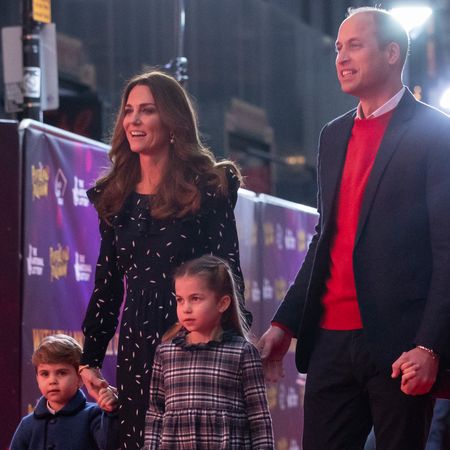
283	327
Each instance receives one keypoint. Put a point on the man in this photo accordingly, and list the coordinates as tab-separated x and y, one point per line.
370	305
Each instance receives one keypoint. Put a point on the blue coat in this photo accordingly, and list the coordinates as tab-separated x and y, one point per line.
80	425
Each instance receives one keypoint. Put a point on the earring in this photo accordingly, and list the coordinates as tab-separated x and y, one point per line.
172	138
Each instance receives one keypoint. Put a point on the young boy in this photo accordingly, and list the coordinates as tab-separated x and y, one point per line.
62	419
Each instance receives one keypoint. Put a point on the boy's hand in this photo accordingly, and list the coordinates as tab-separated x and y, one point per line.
107	399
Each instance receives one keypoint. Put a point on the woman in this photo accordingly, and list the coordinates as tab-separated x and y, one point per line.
165	200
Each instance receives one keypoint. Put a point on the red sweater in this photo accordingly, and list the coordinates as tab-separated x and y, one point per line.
341	310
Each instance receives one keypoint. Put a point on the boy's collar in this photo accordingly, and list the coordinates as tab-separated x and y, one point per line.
76	404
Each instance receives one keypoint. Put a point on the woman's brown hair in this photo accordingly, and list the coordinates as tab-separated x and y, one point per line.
189	164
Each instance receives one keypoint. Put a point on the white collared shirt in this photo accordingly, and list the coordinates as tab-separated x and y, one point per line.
51	410
388	106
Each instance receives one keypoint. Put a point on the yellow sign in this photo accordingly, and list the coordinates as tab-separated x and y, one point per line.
42	11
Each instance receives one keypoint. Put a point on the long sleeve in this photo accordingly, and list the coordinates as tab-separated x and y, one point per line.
105	430
256	400
22	436
434	328
290	311
102	313
221	233
156	408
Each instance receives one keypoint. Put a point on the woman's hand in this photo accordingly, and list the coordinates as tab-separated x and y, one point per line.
94	381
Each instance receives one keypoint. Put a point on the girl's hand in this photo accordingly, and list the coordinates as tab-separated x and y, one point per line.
107	399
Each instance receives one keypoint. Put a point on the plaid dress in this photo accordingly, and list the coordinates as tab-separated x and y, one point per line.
208	397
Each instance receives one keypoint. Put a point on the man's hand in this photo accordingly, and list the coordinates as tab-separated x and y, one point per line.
425	371
94	381
273	345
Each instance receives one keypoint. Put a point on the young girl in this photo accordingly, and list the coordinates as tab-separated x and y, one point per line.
207	388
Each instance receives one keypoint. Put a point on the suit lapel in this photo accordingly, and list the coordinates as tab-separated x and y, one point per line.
392	137
332	167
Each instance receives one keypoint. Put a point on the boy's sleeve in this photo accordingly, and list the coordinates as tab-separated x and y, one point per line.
256	400
156	408
105	429
22	436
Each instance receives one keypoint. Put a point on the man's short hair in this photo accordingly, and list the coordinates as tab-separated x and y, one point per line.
388	29
57	349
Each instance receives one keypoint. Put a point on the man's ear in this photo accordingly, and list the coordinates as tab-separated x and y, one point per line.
224	303
393	52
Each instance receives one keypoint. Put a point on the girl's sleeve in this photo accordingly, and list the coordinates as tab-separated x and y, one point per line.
154	416
221	233
255	398
102	313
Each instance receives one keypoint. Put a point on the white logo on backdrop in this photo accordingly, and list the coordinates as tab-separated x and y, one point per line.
83	271
79	193
35	264
60	187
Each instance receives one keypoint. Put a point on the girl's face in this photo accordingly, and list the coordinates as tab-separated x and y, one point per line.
199	309
142	123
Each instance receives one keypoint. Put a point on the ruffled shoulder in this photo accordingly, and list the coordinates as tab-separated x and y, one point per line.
180	340
93	194
212	196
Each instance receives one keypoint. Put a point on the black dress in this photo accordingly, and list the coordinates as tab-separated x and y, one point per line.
144	252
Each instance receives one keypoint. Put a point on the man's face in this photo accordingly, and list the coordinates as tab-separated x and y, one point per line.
362	67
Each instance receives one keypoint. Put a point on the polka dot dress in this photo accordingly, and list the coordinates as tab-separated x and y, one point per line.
137	258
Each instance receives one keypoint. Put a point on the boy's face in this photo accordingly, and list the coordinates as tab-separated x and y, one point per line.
58	383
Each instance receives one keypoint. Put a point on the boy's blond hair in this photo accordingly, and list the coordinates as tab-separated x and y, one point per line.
57	349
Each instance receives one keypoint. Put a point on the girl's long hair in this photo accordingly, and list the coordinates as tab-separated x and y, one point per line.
188	164
219	279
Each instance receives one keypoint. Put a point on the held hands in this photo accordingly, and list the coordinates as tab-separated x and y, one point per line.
418	369
93	380
99	389
272	346
107	399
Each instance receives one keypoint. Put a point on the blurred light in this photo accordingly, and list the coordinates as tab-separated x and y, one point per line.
411	17
417	92
295	160
445	100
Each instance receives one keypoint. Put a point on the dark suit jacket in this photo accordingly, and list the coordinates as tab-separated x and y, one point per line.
402	248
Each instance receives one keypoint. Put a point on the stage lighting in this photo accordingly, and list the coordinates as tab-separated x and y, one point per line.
445	100
411	17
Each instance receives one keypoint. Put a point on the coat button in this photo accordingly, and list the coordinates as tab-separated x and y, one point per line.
51	447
